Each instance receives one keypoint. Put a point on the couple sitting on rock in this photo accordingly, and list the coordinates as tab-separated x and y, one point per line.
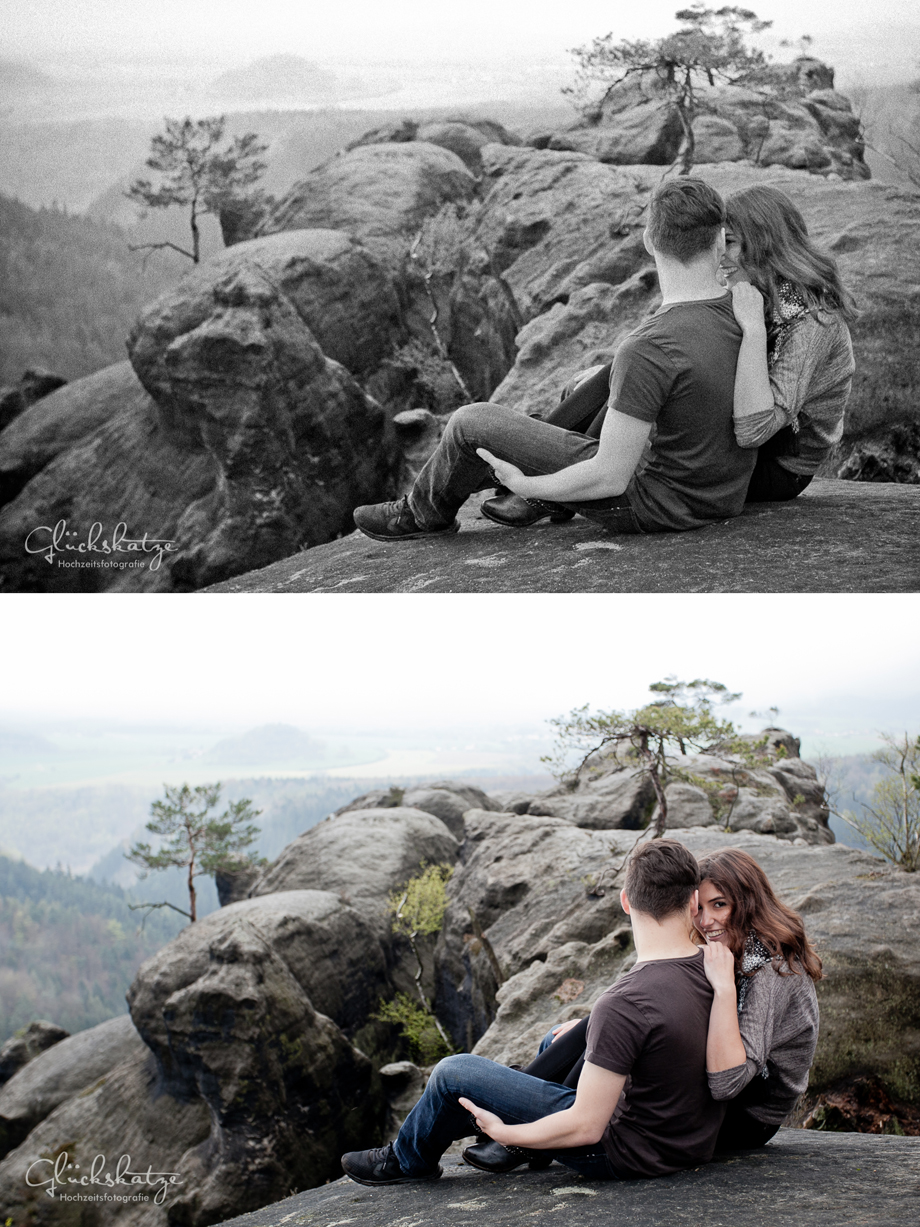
667	437
640	1087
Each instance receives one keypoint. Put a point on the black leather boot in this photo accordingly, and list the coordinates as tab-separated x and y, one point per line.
491	1156
516	512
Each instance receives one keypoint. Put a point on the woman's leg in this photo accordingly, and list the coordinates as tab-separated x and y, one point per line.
584	408
740	1131
561	1061
771	483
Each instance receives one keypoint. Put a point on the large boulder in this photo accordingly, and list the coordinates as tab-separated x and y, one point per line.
791	117
26	1044
526	884
343	295
129	1118
252	439
65	418
449	801
376	191
96	454
555	222
34	384
235	1011
363	855
328	947
65	1069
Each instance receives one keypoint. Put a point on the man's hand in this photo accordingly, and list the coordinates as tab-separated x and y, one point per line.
747	304
486	1122
719	966
506	473
563	1027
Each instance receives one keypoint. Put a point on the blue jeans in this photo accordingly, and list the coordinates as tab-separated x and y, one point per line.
455	472
438	1119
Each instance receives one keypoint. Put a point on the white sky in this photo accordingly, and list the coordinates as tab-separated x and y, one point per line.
440	662
367	30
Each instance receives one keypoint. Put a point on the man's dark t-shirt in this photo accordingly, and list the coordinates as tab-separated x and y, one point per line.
652	1025
677	370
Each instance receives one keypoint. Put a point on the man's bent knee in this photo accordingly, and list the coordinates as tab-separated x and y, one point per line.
469	421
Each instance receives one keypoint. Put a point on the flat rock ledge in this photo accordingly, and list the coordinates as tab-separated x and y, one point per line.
838	536
800	1178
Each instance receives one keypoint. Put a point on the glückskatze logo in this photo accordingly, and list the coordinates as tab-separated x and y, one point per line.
60	540
61	1173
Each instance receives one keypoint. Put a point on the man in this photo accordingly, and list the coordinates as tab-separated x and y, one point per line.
675	372
646	1037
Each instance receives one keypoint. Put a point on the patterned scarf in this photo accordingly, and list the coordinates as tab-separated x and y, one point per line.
792	307
755	955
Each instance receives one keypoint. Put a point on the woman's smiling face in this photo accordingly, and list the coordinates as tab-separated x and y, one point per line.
715	911
730	266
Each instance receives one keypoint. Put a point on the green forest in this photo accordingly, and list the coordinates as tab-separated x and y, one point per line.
69	291
69	948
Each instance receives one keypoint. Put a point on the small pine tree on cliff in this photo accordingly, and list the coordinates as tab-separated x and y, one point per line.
195	840
708	47
201	172
681	720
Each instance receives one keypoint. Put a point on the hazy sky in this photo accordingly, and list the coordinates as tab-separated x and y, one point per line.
437	662
382	29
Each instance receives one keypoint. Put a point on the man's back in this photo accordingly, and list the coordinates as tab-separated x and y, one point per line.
652	1025
677	369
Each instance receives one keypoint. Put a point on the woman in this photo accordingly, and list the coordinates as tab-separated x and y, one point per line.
795	367
764	1022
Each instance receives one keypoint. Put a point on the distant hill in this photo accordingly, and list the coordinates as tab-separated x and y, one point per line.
69	291
288	77
18	77
268	745
25	743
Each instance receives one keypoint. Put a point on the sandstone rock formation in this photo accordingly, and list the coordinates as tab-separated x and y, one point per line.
126	1111
271	377
27	1044
62	1071
375	191
462	135
793	117
838	536
33	385
255	439
795	1178
245	1075
362	854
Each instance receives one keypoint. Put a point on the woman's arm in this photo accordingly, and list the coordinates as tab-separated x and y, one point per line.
724	1046
757	417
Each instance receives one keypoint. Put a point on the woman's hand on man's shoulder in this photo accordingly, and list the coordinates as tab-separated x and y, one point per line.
747	304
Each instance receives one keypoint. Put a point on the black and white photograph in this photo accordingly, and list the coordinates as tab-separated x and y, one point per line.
516	817
404	297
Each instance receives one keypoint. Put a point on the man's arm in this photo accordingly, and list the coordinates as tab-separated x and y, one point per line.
606	474
583	1124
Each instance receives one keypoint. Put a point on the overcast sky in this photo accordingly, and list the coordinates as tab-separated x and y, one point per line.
441	662
366	30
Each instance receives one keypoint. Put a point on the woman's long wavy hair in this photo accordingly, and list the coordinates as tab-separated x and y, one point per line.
756	909
775	247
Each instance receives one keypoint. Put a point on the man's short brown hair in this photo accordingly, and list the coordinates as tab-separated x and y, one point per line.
661	877
684	218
